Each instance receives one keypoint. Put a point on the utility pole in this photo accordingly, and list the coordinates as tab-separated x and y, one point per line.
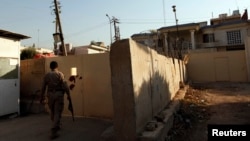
110	22
117	30
58	24
177	34
115	21
176	22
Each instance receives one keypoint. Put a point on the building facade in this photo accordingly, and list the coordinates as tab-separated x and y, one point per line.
225	33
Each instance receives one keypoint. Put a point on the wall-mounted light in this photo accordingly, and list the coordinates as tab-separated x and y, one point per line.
73	71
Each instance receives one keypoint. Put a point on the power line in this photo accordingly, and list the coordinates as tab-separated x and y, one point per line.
152	21
142	22
87	30
138	19
160	20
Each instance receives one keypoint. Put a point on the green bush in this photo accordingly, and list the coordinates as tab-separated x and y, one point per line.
28	53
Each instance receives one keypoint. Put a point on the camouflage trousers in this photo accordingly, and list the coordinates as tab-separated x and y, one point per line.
56	105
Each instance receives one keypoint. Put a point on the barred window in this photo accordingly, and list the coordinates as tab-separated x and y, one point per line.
208	38
233	37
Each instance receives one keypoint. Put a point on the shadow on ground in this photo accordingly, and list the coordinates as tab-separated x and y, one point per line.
37	127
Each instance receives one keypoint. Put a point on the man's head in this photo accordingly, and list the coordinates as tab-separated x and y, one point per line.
53	65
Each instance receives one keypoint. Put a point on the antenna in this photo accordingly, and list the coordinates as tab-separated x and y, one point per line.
164	15
237	4
38	38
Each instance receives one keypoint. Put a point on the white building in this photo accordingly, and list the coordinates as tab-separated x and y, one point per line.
10	71
90	49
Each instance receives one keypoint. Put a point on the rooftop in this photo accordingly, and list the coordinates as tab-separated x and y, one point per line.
12	35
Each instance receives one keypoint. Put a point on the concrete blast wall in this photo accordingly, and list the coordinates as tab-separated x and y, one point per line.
143	83
91	89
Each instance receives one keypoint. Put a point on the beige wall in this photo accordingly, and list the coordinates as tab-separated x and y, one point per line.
31	74
143	83
91	96
217	66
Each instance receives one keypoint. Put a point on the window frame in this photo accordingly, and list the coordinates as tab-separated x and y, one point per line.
208	38
234	37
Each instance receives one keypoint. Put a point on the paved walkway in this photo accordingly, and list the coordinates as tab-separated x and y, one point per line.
37	128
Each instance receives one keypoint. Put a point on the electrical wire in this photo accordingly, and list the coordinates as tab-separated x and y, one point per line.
142	22
87	30
158	21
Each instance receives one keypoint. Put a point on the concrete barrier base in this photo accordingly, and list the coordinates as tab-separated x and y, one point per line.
157	129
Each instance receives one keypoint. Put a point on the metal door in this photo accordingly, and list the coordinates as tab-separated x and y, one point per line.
9	85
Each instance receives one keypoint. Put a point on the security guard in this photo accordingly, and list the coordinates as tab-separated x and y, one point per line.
56	87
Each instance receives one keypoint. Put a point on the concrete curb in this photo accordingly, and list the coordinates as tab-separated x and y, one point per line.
162	128
160	133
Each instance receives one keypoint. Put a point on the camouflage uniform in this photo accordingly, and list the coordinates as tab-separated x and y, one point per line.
56	87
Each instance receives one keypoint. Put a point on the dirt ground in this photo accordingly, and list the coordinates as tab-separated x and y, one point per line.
210	103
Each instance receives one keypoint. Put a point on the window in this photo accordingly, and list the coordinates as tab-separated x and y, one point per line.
208	38
233	37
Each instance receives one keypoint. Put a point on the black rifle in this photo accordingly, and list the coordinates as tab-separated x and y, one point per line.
70	107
